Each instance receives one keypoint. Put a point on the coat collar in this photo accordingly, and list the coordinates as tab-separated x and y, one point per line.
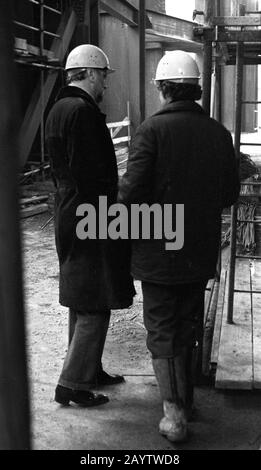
180	106
76	92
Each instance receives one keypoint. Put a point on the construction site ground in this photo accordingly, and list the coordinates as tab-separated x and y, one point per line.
224	419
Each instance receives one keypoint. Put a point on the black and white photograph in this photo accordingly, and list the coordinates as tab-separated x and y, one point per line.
130	231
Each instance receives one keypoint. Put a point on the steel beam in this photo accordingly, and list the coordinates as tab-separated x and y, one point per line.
121	11
170	26
229	36
254	20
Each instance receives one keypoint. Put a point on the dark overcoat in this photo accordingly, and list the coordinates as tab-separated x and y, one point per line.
181	156
94	274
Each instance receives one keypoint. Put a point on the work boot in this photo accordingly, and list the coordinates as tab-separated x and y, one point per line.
174	424
103	378
85	398
171	377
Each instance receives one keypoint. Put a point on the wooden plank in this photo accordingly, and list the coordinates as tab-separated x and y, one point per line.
34	111
120	140
208	296
219	315
122	151
234	367
33	210
120	124
257	341
29	200
209	323
256	285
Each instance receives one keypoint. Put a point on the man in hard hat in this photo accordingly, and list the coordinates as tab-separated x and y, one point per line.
94	274
178	156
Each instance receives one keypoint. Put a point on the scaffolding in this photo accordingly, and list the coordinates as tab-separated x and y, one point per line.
233	40
45	55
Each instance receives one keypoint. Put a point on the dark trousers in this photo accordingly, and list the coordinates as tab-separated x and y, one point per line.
83	359
173	317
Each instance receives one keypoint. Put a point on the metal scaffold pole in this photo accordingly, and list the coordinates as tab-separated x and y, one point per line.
238	120
142	26
14	402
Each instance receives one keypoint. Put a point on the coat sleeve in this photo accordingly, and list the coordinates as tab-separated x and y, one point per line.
230	174
135	186
82	150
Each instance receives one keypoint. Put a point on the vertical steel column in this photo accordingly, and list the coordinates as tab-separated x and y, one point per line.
142	26
91	19
14	402
94	22
42	85
233	237
210	11
207	76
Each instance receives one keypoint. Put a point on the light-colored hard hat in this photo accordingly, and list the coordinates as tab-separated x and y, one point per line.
87	56
177	66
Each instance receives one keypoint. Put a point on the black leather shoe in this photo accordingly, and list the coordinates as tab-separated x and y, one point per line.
105	379
86	398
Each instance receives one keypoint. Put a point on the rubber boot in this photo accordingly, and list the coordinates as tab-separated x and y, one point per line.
171	377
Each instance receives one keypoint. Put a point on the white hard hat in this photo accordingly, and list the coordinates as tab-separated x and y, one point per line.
87	56
177	66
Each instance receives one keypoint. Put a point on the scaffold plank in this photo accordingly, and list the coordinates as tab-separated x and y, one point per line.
256	285
235	360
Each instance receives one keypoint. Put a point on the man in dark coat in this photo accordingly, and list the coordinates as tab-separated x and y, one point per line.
179	156
94	274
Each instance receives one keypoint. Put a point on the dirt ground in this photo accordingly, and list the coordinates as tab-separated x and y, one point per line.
230	420
47	321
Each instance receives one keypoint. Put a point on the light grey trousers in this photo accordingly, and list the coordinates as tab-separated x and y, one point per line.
83	359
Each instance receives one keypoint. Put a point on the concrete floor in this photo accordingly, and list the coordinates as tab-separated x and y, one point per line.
224	419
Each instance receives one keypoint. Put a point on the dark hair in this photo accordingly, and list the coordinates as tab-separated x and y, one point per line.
75	75
180	91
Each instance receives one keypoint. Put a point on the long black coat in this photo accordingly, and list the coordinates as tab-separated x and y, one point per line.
181	156
94	274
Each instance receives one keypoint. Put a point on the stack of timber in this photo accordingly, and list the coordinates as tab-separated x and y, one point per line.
33	206
122	158
36	198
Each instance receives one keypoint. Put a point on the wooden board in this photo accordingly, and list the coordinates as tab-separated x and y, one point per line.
256	285
208	295
33	199
234	366
219	314
33	210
